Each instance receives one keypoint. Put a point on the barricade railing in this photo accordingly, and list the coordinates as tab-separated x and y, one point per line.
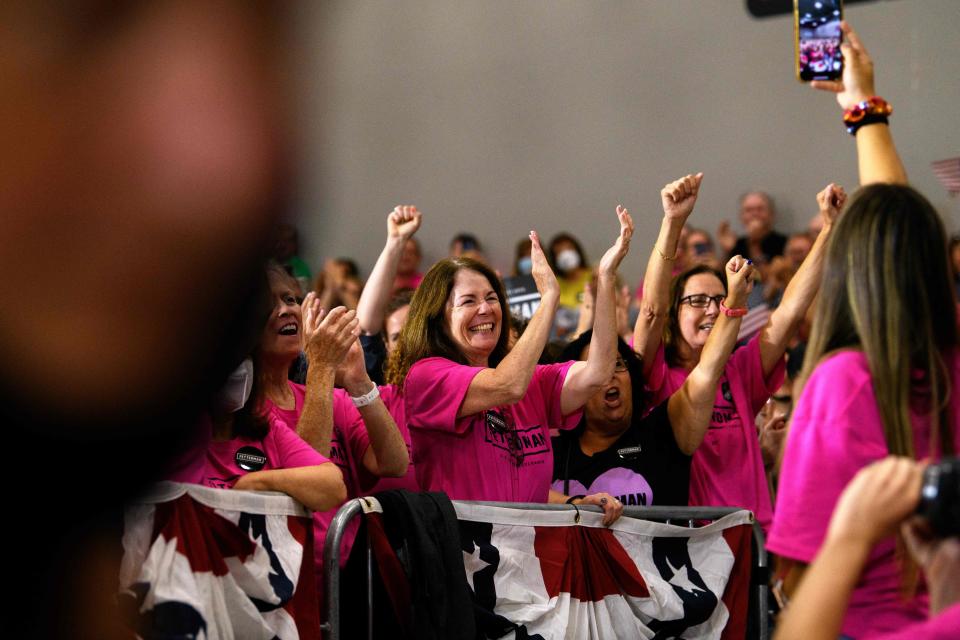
688	516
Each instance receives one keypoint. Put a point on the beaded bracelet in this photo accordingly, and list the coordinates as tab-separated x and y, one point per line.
870	111
736	312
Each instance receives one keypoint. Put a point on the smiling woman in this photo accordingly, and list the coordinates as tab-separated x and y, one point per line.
641	456
673	328
480	415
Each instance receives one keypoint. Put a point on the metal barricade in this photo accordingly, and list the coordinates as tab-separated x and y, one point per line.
688	516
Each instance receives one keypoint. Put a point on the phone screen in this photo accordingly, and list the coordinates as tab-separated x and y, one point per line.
818	39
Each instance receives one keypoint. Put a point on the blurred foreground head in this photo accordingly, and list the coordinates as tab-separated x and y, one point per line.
142	166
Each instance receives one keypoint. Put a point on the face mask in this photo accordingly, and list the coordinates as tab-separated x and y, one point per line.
525	266
568	260
236	390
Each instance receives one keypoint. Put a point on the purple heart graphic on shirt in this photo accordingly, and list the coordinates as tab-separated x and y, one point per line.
630	487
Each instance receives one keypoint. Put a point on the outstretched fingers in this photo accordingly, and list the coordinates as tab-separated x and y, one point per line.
542	274
851	37
626	224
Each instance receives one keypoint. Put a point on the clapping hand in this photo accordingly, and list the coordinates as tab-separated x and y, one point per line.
542	274
614	256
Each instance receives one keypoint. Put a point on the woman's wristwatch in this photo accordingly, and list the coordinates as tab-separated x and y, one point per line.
368	397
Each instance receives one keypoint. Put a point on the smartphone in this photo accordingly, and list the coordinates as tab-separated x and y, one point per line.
818	37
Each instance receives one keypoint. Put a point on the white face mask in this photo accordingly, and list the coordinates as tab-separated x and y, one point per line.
525	266
568	260
236	390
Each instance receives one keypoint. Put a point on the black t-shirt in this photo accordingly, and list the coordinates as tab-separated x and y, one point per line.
374	356
645	466
772	246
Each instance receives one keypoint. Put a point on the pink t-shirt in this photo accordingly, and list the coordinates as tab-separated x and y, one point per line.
836	430
945	626
470	458
191	465
339	456
411	281
338	452
727	467
351	425
227	460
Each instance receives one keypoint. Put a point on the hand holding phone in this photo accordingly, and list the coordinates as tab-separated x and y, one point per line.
857	82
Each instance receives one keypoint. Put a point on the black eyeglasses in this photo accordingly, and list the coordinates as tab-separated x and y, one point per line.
498	423
620	366
702	300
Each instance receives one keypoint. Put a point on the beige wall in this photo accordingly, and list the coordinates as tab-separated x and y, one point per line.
498	116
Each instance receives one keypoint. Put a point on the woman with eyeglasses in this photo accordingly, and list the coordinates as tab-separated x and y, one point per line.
480	415
644	458
675	323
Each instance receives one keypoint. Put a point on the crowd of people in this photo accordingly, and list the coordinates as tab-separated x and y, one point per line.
806	377
424	381
819	55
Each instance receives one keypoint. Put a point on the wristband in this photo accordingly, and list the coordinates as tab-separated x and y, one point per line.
572	498
870	111
732	313
367	398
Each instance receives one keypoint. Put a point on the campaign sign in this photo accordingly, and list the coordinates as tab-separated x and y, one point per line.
522	296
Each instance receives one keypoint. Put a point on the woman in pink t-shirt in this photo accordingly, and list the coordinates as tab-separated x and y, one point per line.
881	367
245	450
672	328
310	410
479	414
878	379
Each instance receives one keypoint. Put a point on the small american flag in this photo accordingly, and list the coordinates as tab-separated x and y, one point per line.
754	321
948	173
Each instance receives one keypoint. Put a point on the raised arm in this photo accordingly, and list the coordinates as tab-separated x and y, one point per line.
402	223
328	339
803	287
319	487
508	382
678	199
387	454
878	498
690	407
876	154
585	377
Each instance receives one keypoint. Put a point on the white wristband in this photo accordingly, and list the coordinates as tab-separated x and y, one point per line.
367	398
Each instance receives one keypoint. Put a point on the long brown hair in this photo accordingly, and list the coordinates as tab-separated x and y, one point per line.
424	334
886	290
671	330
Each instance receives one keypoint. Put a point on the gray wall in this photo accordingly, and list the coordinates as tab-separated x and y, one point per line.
498	116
